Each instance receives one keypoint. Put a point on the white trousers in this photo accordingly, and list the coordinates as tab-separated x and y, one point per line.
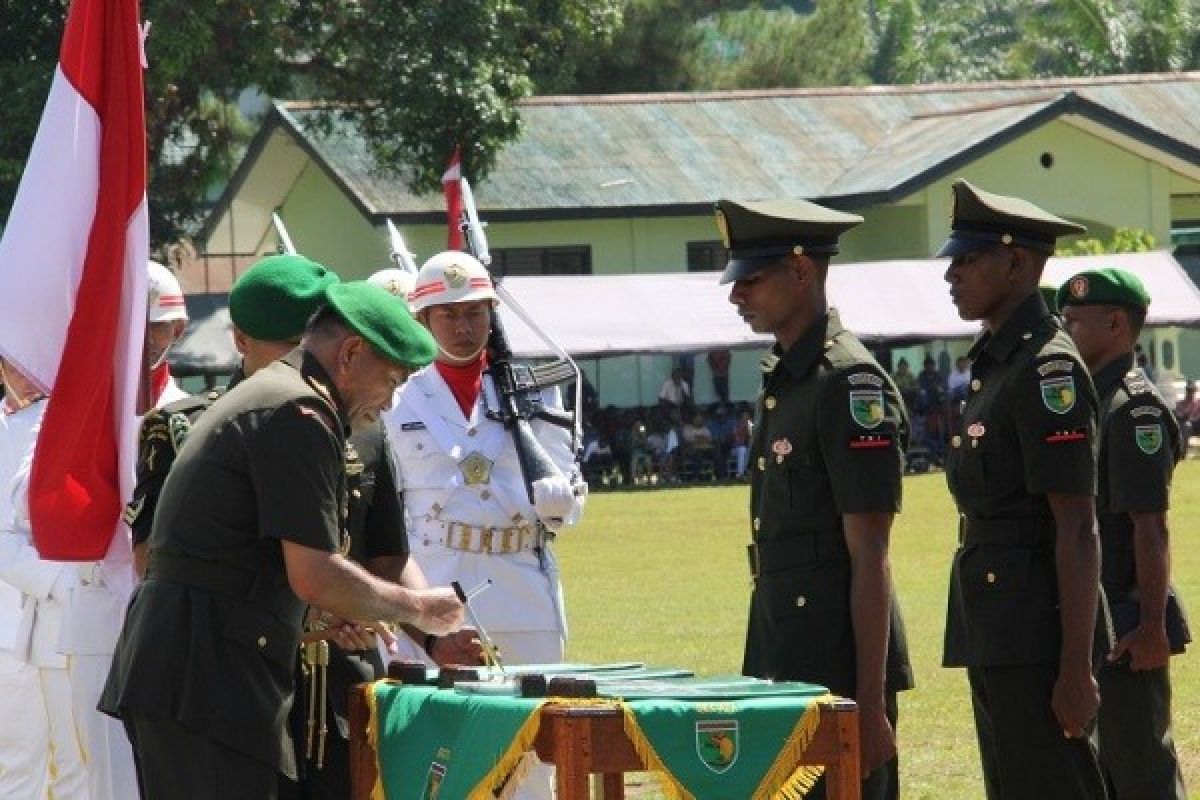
24	731
41	755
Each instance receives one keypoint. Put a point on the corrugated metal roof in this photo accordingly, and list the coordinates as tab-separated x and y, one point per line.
613	152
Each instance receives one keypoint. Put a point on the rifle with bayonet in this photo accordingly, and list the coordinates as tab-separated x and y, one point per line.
285	242
401	256
519	386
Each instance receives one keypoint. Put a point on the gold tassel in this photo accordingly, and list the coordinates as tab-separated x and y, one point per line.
377	791
672	788
785	780
508	763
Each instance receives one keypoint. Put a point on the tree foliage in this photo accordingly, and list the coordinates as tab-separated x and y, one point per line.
426	74
1124	240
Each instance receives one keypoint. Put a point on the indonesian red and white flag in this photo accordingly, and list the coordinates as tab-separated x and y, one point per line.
452	188
73	283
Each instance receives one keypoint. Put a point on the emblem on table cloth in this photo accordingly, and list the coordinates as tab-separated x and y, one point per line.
866	406
433	781
1058	394
717	743
476	469
1149	438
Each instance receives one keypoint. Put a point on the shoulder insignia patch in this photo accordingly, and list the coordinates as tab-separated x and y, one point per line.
180	427
1058	394
865	379
1146	411
133	510
1057	365
1062	437
866	407
1149	438
413	426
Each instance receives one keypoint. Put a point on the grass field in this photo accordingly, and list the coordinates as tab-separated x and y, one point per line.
661	577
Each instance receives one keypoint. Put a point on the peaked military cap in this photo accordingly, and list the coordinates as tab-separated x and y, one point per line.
384	321
757	234
1104	287
273	299
983	220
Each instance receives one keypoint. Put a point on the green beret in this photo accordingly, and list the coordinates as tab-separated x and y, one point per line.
1104	287
273	299
384	321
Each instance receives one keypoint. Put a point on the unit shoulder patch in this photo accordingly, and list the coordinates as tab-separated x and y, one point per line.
866	407
1146	411
1058	394
1149	438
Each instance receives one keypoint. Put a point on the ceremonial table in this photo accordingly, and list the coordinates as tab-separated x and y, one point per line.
701	735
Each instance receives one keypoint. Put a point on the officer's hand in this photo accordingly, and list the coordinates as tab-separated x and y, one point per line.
877	740
461	647
553	499
351	636
1147	647
440	612
1075	700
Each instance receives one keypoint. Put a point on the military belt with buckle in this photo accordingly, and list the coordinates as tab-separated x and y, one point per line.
1019	532
485	539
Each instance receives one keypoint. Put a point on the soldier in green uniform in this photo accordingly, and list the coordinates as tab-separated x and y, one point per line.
1022	614
249	531
1104	311
826	465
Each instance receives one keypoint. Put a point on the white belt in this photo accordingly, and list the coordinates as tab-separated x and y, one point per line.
484	539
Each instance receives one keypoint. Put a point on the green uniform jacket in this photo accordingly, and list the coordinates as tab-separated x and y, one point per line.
1139	447
210	636
1028	428
829	440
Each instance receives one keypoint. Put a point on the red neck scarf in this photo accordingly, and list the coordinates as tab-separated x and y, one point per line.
159	377
465	381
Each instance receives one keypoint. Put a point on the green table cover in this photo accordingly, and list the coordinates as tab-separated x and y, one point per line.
710	738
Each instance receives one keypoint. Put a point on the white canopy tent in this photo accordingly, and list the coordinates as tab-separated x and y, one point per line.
895	302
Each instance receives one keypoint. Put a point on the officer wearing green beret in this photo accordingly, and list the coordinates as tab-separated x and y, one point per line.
249	531
826	462
1104	311
1023	609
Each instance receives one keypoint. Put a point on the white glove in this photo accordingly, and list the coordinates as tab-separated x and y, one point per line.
553	500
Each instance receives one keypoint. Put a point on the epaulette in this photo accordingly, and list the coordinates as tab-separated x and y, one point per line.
1135	382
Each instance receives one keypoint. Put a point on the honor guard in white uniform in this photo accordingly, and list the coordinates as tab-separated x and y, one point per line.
25	721
165	322
469	515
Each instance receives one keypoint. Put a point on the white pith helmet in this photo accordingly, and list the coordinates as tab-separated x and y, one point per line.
399	282
451	277
166	297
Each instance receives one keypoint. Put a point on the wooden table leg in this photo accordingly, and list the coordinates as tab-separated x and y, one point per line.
573	746
614	786
843	780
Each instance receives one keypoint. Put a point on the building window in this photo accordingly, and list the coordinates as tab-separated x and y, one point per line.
706	256
575	260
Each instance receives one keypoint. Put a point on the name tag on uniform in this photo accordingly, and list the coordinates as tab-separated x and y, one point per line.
413	426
